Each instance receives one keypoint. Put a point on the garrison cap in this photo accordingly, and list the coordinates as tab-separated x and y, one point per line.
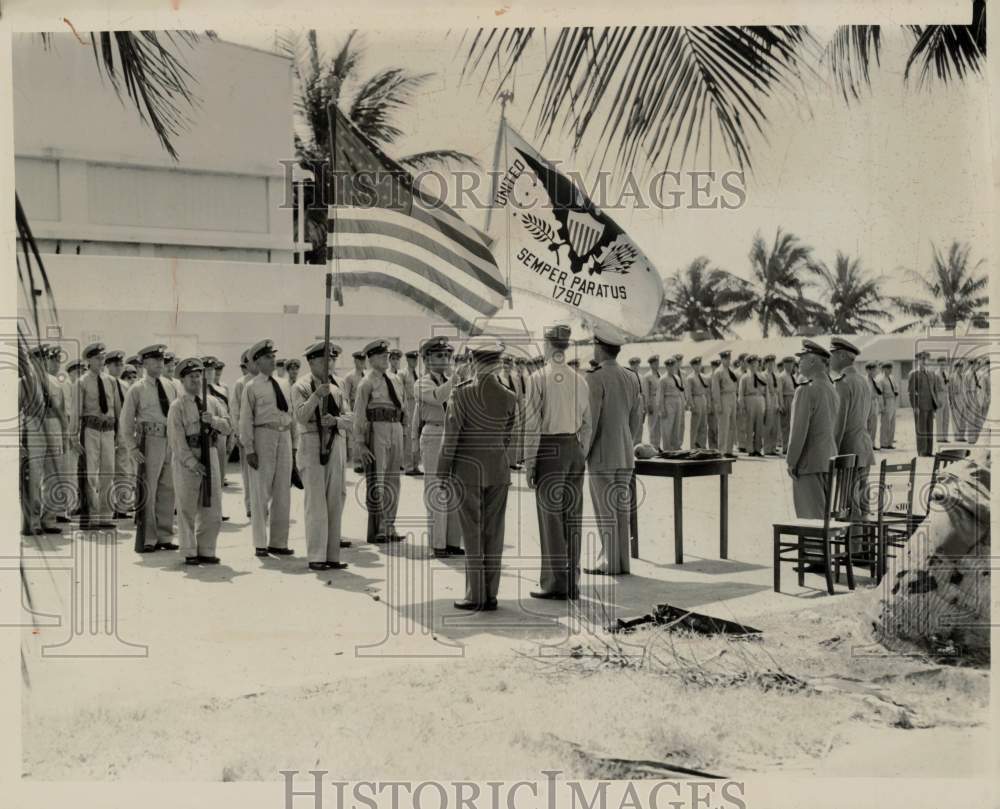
157	351
264	347
73	365
189	366
840	344
810	347
315	351
93	350
558	334
114	356
436	345
412	354
376	347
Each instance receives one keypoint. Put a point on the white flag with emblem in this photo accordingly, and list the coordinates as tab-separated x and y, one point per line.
555	242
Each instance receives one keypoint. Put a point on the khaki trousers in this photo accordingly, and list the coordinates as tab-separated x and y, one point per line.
888	428
671	418
197	525
699	422
755	423
382	478
325	488
727	422
99	450
442	517
270	489
160	498
481	513
559	503
610	494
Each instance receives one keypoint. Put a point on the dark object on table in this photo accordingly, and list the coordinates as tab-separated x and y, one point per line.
676	618
690	454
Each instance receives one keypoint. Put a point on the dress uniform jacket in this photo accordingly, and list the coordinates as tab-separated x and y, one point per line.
475	450
724	393
922	385
197	525
890	401
854	404
266	431
145	416
385	441
615	411
324	485
811	444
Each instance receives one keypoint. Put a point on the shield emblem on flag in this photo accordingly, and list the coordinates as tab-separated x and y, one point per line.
584	231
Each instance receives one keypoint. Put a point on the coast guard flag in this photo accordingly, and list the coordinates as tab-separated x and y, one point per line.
559	245
386	232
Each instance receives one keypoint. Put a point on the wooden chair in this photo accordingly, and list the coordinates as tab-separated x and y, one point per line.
820	540
893	521
943	459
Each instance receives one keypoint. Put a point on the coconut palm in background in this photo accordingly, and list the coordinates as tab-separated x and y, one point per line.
853	300
955	291
702	298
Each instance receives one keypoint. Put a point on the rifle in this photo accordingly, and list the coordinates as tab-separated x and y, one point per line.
140	496
206	445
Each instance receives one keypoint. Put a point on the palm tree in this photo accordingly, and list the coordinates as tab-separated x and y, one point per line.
663	94
854	301
370	103
955	288
702	298
775	294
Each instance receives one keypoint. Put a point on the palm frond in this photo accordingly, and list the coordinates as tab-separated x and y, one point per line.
946	50
849	54
379	98
438	157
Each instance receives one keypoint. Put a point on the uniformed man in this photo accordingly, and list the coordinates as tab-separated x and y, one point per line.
633	364
72	456
350	386
956	393
198	524
752	393
786	392
378	431
944	380
672	397
133	360
143	429
742	368
475	455
871	369
924	394
890	400
681	423
408	379
48	427
699	392
772	407
220	395
616	413
323	420
265	434
292	367
129	375
980	397
851	429
812	441
651	394
169	370
249	370
279	368
557	431
711	417
114	367
32	405
724	394
99	413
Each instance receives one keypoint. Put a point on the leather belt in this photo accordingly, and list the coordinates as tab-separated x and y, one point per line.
433	424
273	425
384	413
152	428
102	423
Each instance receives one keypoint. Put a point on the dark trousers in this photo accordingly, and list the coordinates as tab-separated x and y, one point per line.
924	424
559	502
481	514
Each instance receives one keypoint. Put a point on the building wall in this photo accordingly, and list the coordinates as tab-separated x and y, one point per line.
220	308
95	180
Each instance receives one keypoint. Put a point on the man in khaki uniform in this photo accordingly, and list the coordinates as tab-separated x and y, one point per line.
890	400
699	393
752	393
350	386
724	393
144	420
742	420
925	398
876	409
431	394
651	395
114	366
249	371
615	411
71	458
945	377
198	524
772	407
378	431
408	378
711	415
292	368
321	412
57	439
169	375
265	434
218	394
956	393
672	396
812	442
98	414
786	392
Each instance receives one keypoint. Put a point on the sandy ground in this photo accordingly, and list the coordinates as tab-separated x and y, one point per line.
141	667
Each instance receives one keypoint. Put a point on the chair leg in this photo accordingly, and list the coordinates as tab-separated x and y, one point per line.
850	566
801	564
777	560
827	565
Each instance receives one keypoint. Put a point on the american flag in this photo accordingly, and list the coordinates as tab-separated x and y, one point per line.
386	232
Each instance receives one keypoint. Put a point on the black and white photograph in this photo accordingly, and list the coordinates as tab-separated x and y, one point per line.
493	408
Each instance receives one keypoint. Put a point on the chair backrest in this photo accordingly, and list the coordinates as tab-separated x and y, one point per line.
839	486
896	484
942	459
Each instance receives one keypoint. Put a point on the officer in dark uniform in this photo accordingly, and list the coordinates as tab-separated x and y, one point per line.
475	458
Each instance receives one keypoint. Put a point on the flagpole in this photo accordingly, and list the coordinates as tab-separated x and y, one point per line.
331	116
505	97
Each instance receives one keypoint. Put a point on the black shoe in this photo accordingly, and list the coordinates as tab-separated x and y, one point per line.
811	567
491	605
208	560
120	515
51	529
396	537
63	520
318	566
167	546
359	470
248	515
192	560
596	571
262	552
148	549
336	565
439	553
732	455
381	539
280	551
410	473
471	606
548	596
345	543
454	550
104	526
418	472
225	519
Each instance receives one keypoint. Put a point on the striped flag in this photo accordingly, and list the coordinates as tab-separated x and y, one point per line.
386	232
